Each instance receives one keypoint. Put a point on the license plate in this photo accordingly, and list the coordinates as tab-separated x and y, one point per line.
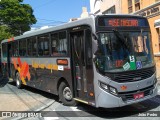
138	96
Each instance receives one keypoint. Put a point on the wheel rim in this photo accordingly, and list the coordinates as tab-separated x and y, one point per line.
17	80
67	93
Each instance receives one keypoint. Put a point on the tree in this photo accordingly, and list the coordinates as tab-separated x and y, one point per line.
16	16
4	33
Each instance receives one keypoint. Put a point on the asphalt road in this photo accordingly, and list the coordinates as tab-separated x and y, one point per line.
29	99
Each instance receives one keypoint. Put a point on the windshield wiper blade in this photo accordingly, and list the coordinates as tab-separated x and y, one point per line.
121	39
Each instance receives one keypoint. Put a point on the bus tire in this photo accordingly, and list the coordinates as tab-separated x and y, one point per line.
66	95
18	81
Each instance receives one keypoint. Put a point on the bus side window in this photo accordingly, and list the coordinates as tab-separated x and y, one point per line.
59	44
34	46
4	50
14	48
43	45
29	47
54	40
22	47
62	47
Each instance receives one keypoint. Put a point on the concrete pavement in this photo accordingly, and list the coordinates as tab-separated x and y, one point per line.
12	99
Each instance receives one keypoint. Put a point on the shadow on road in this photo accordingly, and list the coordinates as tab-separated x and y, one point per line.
120	112
84	110
36	91
3	80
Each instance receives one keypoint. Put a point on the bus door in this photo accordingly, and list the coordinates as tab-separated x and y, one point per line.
82	63
9	59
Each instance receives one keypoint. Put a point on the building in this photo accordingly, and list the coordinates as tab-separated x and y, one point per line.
146	8
149	9
105	6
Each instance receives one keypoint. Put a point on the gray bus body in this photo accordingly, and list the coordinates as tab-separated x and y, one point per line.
75	69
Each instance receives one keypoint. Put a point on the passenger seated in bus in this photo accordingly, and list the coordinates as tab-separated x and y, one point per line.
64	52
54	51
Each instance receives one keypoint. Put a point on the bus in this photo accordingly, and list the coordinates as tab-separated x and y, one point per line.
103	61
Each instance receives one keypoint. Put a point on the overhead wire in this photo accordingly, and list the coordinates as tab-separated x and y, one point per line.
53	22
42	5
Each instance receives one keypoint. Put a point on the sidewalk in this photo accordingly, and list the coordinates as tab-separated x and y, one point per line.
13	99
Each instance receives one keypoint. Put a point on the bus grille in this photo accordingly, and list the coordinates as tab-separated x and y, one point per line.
133	76
129	95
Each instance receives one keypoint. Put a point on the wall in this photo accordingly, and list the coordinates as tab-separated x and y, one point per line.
103	5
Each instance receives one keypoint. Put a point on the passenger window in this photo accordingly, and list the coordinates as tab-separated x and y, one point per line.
43	45
59	44
32	46
14	48
54	41
22	47
4	50
29	47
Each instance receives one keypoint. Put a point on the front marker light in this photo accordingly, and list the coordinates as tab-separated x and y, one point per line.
113	90
104	86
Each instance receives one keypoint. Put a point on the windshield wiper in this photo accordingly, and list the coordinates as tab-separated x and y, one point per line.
121	39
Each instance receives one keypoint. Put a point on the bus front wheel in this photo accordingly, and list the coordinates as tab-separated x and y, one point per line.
66	95
18	81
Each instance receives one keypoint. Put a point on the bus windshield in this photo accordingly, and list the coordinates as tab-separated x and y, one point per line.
123	51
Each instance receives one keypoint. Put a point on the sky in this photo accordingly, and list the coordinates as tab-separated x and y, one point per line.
54	12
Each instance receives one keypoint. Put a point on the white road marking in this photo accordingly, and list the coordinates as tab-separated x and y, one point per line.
75	109
52	118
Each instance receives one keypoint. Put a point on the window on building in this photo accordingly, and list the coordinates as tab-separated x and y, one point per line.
137	5
59	44
43	45
130	8
110	10
22	48
157	0
158	32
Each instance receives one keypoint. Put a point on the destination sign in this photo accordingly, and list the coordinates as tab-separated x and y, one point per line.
122	22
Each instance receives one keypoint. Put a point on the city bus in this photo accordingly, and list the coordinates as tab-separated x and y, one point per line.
103	61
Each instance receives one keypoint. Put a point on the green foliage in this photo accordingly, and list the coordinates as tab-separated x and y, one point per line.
18	17
4	33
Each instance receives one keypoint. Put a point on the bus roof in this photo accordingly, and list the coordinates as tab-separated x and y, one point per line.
85	21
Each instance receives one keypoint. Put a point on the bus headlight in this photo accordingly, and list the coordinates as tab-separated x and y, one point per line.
104	86
113	90
108	88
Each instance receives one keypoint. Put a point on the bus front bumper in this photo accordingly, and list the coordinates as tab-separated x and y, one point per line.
107	100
